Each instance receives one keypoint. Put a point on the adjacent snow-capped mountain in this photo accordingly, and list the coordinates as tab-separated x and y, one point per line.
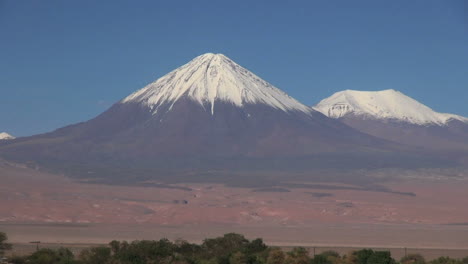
386	104
210	78
393	116
210	114
6	136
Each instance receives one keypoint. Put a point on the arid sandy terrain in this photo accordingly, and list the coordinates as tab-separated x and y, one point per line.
53	208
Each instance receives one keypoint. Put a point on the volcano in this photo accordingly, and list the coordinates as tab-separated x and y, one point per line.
394	116
208	115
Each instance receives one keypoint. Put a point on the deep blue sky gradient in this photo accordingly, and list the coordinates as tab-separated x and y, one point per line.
63	62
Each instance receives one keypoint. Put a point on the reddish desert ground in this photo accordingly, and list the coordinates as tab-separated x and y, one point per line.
52	208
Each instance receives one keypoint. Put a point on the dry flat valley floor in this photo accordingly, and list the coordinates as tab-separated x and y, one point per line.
55	209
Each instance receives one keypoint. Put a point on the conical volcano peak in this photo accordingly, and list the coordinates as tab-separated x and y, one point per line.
210	56
211	78
213	59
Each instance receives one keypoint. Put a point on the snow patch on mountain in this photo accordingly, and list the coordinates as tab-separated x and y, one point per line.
6	136
210	78
386	104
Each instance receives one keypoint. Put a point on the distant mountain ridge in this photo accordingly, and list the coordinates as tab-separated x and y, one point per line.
6	136
386	104
393	116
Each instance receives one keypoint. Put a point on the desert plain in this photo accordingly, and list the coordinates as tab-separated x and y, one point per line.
425	213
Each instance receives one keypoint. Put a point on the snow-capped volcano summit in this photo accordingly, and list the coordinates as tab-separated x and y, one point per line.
393	116
6	136
210	78
384	105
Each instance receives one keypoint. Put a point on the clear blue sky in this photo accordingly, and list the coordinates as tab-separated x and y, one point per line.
63	62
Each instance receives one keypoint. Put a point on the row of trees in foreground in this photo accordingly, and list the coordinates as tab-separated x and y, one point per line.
229	249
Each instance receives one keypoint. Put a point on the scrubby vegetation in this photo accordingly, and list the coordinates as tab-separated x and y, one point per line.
3	244
229	249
